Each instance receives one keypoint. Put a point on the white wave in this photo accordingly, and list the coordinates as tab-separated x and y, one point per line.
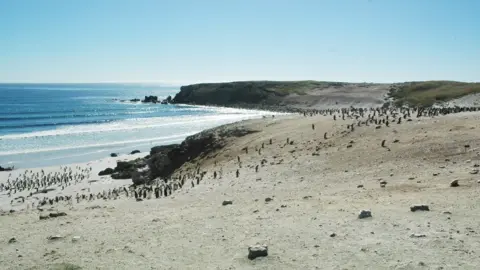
176	136
223	114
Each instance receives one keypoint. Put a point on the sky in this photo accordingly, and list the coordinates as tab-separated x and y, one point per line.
191	41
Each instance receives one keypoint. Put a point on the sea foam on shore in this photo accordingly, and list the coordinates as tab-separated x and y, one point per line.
74	144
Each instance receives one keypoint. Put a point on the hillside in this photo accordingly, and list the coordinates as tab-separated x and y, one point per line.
316	94
294	94
431	92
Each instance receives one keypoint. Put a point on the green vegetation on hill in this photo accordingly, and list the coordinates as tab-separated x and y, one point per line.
430	92
247	92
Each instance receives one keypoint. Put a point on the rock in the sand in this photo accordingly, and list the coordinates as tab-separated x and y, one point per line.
360	186
268	199
227	203
12	240
42	217
417	235
135	152
365	214
75	238
454	183
113	155
257	251
474	171
107	171
58	214
419	207
54	237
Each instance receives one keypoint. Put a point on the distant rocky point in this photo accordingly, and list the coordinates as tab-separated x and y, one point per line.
148	99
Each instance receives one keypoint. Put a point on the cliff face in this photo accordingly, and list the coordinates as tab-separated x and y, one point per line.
228	94
284	95
317	94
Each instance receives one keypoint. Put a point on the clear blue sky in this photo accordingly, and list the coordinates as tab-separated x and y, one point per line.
188	41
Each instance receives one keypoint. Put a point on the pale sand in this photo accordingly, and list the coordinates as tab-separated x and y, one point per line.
192	230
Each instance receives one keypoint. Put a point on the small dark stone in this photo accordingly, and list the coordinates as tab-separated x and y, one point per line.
59	214
224	203
365	214
114	155
419	207
12	240
454	183
257	251
268	199
42	217
333	235
135	152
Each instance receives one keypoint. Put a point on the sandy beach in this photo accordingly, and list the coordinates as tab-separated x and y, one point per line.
303	201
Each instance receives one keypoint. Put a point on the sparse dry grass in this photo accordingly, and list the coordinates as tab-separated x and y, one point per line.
430	92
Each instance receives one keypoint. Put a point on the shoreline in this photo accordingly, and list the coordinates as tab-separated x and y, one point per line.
76	155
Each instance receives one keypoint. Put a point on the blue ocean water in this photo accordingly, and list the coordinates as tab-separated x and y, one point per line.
55	124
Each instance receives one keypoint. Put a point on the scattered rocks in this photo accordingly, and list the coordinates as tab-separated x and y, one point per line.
365	214
419	207
224	203
257	251
454	183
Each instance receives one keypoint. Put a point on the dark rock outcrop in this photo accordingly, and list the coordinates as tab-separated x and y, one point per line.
125	169
6	169
165	160
135	152
229	94
107	171
150	99
113	155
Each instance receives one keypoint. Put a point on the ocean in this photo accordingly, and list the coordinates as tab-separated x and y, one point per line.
56	124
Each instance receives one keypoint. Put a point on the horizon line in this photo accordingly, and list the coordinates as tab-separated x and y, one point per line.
176	84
